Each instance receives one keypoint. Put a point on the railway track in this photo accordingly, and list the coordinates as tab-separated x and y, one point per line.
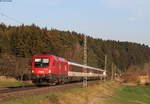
19	92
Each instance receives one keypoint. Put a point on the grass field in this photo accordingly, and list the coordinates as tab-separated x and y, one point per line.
130	95
95	94
9	82
109	92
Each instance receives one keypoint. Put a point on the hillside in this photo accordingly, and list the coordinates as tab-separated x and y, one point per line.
18	44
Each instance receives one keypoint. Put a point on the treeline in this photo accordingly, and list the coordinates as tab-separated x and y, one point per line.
18	44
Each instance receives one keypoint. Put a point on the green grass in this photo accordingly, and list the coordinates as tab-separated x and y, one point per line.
35	100
131	95
7	84
51	98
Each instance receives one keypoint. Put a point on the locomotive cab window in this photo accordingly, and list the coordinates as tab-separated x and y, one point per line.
41	62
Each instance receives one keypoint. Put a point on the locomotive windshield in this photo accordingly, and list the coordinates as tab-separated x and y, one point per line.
41	62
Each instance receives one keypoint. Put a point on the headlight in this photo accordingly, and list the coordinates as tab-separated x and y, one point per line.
49	71
32	71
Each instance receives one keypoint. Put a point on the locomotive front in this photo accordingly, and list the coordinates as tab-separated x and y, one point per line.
41	71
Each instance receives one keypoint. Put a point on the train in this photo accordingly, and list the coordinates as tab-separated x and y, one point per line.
51	70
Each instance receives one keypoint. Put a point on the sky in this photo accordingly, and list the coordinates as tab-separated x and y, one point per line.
124	20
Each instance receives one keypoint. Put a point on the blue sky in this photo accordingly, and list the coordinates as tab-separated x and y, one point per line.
124	20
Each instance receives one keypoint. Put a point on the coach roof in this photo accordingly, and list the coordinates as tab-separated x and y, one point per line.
84	66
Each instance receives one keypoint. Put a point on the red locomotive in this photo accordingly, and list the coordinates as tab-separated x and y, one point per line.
50	69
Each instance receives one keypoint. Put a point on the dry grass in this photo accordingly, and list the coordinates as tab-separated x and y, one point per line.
91	95
137	75
9	81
